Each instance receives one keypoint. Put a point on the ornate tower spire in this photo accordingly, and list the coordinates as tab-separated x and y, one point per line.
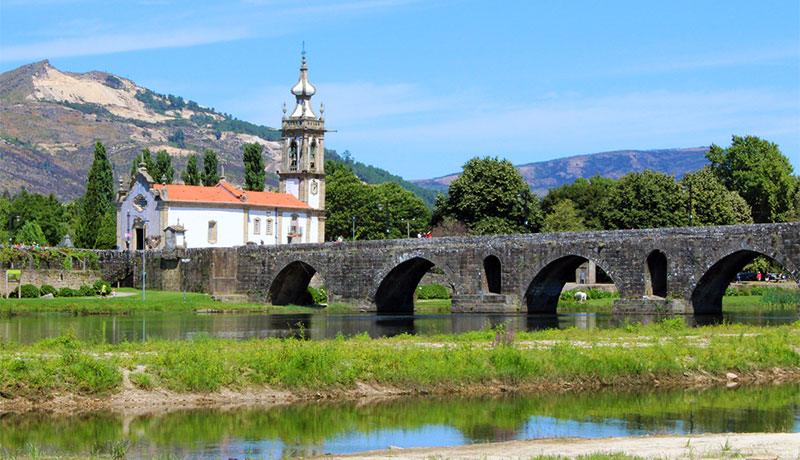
302	169
303	90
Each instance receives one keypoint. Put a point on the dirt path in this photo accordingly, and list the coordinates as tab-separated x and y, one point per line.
761	446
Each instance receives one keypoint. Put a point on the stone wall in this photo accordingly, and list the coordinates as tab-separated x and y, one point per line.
57	278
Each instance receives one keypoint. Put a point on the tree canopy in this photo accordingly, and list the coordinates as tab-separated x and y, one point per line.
589	198
375	207
563	217
97	202
490	197
254	172
191	176
210	175
646	199
712	203
758	171
163	171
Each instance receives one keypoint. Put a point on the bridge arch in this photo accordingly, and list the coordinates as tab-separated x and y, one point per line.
396	283
655	269
290	285
492	274
707	293
544	291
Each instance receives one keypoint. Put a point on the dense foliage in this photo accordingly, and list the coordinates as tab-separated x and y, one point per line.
370	212
490	197
191	176
98	205
210	175
254	167
758	171
372	175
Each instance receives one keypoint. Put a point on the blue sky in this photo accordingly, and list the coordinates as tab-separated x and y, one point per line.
419	87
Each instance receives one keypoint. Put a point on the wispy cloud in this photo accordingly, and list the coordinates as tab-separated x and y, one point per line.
143	30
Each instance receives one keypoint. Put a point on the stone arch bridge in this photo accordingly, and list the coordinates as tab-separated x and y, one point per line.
677	270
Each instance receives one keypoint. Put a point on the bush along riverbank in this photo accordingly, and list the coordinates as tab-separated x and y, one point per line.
666	353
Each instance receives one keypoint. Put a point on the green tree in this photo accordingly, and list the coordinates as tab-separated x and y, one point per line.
347	197
712	203
98	200
254	173
490	197
646	199
564	217
46	211
149	164
107	232
135	166
163	167
589	198
758	171
178	138
30	233
795	214
210	175
191	176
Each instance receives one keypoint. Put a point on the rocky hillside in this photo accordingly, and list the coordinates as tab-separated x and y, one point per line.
50	119
544	175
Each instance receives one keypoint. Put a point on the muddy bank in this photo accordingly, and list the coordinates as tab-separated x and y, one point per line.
134	401
756	446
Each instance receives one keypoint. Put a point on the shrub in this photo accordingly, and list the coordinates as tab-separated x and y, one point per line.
29	291
86	291
433	291
66	292
780	298
319	296
47	289
99	284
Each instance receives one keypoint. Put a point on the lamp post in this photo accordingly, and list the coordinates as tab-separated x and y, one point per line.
354	228
408	225
144	250
183	275
691	207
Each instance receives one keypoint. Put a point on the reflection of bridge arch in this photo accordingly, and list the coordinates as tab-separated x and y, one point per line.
290	286
393	291
706	295
544	290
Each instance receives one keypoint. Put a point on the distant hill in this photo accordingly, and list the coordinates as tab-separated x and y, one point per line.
49	121
544	175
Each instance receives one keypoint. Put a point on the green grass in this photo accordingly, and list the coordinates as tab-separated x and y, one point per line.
154	301
207	364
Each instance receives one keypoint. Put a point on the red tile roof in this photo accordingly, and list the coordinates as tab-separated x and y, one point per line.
227	193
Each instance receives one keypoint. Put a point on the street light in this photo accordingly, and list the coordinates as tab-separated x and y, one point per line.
354	228
380	207
144	250
183	275
408	225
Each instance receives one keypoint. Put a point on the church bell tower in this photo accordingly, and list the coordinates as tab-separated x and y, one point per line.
302	168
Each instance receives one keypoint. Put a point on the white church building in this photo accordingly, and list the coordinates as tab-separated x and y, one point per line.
152	215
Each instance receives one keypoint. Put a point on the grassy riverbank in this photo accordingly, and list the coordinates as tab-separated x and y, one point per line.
633	355
155	301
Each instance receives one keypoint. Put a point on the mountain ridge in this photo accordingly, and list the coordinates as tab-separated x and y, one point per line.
544	175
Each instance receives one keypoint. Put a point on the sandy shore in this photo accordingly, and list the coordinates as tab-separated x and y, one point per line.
761	446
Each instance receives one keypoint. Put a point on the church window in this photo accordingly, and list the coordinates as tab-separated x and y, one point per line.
293	226
268	226
257	226
313	155
140	202
212	231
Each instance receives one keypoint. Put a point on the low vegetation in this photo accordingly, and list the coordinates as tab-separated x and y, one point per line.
630	355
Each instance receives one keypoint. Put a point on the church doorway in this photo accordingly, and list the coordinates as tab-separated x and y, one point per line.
139	239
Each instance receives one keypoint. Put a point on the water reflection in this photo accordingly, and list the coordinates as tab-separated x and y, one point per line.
315	429
182	325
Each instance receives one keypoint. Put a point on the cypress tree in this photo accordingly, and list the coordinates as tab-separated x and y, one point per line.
191	176
210	174
135	165
98	200
164	167
255	175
